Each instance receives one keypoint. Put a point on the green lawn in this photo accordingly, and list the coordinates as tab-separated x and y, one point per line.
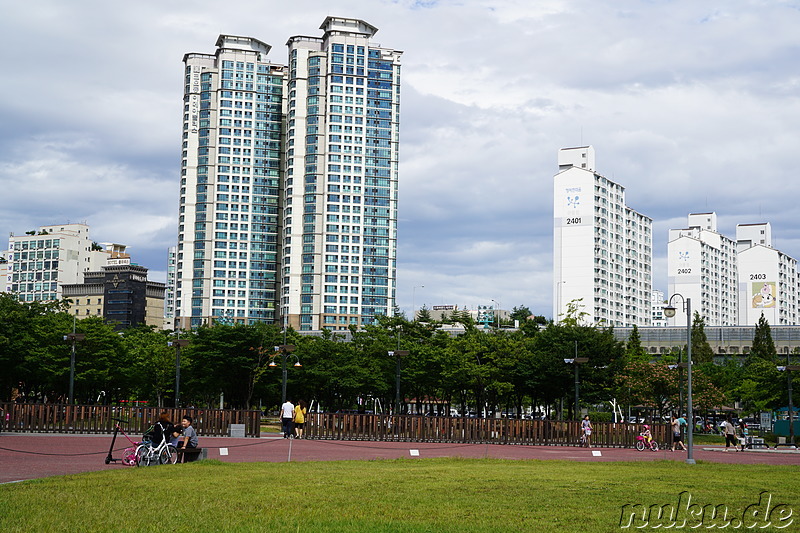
430	495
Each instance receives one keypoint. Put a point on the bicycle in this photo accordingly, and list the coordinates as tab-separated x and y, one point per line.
128	454
164	453
641	444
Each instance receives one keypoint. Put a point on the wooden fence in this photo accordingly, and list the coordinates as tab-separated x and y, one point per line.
410	428
62	418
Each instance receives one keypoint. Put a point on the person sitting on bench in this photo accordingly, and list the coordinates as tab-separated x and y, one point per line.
189	439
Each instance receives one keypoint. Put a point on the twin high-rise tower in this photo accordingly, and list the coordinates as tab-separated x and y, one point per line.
288	205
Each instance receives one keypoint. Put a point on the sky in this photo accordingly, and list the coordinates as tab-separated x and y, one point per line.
691	106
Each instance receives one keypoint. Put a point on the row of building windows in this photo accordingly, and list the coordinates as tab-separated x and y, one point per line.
36	244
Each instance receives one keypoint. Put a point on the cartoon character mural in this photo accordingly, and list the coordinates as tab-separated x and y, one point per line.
764	295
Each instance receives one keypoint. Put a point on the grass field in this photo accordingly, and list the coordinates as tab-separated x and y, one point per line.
431	495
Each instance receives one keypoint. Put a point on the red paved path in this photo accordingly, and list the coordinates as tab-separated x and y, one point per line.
29	456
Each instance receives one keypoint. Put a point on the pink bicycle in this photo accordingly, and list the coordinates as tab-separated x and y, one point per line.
641	444
129	457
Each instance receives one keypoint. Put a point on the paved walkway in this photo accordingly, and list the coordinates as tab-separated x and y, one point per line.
30	456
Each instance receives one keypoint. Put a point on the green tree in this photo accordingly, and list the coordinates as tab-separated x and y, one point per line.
633	348
701	350
551	379
763	346
520	313
653	385
228	359
574	315
424	315
761	385
152	373
24	338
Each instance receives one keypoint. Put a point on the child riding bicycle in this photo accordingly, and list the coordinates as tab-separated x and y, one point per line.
648	436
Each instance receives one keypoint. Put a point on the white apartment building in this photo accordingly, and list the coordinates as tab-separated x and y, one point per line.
169	292
701	265
42	260
767	278
732	282
602	249
288	208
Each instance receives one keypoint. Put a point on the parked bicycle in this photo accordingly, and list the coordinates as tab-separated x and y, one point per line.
148	454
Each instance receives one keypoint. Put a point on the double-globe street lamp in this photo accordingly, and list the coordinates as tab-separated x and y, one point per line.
284	352
669	312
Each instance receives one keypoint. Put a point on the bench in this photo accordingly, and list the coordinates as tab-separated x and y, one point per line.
753	443
188	455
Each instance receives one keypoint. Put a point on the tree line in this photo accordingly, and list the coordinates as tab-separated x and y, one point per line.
496	369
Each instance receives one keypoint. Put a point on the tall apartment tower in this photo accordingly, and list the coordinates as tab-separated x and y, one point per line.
40	262
289	181
767	278
702	265
340	211
602	249
227	256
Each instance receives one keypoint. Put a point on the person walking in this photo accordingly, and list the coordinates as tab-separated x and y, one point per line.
729	431
287	416
677	440
300	412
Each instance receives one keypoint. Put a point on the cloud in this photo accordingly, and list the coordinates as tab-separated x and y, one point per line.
690	106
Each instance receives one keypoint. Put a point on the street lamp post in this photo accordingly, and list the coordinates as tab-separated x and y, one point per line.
178	344
284	351
577	361
669	312
73	337
789	369
397	354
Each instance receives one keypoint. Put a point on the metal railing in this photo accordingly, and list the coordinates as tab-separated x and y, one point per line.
64	418
410	428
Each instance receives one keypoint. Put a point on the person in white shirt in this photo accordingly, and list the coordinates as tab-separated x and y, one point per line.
287	417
